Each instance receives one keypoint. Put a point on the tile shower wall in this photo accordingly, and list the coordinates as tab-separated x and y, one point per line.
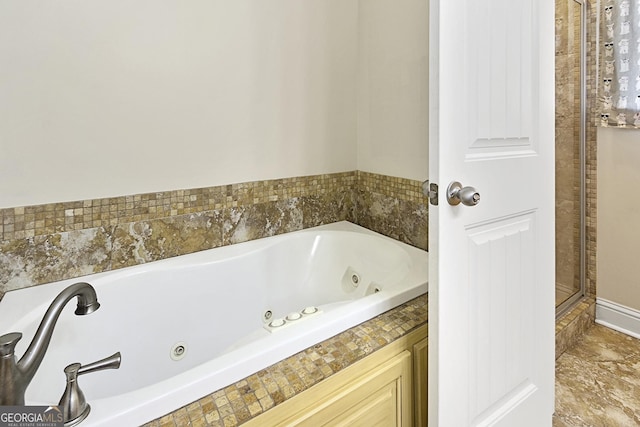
574	323
591	149
567	183
568	129
46	243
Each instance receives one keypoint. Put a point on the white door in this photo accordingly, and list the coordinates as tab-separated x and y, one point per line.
491	320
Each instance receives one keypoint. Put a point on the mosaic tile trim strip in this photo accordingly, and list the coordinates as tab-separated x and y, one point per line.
31	221
37	220
408	190
591	146
269	387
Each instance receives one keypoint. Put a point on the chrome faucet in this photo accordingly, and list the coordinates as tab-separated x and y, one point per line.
74	405
16	376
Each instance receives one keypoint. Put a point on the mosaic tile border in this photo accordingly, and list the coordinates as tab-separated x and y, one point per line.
269	387
591	169
30	221
402	188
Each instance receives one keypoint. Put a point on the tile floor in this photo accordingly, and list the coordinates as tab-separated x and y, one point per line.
598	381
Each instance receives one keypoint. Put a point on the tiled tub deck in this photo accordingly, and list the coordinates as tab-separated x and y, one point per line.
251	396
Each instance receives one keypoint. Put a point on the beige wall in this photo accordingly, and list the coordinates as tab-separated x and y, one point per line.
618	255
393	88
103	99
112	98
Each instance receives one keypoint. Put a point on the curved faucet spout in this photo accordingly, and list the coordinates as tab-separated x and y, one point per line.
15	377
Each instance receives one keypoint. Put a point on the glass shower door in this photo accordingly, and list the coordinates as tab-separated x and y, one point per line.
570	134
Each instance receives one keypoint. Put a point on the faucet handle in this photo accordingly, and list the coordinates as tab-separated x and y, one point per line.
74	405
8	343
111	362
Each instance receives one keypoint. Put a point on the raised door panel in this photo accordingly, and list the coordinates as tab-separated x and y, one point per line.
500	47
379	409
501	372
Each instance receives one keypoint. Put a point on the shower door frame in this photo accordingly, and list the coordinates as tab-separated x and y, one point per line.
566	305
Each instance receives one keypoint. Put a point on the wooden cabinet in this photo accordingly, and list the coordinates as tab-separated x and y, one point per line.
420	358
387	388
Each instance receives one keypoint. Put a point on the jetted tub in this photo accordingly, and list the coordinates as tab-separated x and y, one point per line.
193	324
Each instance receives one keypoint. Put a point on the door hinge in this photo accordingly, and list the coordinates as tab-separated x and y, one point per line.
431	191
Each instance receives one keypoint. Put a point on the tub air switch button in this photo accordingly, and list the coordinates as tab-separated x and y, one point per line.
276	323
294	316
309	310
281	323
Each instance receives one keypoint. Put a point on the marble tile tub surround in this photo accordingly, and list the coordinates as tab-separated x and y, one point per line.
251	396
46	243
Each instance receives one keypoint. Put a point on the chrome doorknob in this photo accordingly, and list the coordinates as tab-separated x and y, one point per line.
457	194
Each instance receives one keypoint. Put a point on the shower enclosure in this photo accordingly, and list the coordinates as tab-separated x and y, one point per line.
570	152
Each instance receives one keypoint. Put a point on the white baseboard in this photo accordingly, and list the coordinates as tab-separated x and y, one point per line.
615	316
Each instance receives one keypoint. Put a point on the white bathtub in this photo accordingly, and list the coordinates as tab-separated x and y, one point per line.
214	303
